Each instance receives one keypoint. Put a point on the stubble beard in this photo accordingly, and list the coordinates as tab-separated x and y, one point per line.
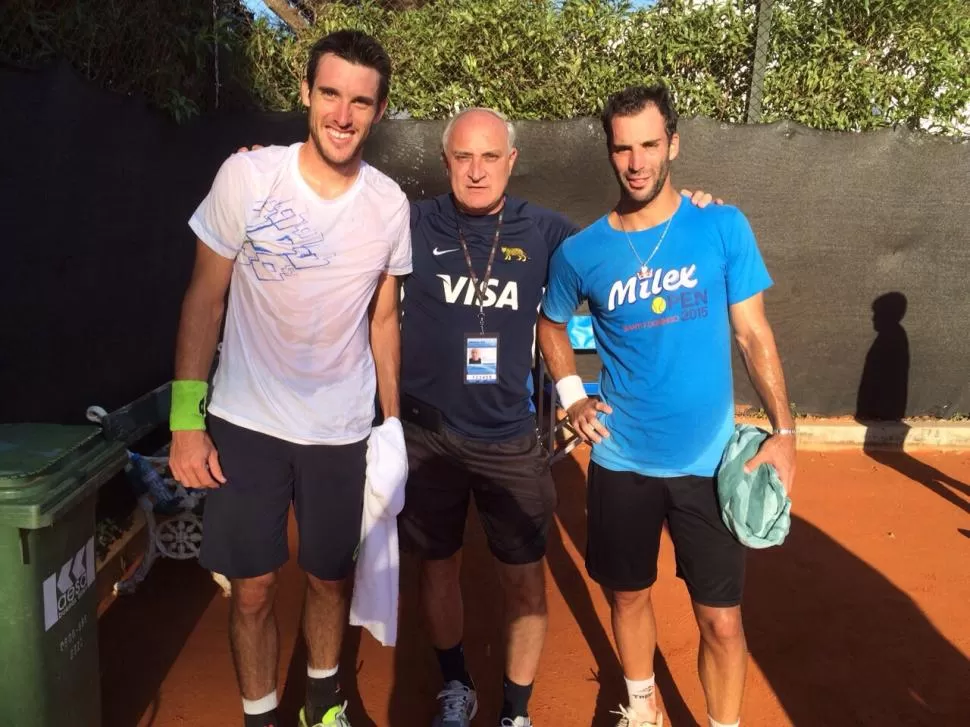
337	164
638	203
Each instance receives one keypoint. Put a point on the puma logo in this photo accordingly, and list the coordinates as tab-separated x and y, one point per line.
515	253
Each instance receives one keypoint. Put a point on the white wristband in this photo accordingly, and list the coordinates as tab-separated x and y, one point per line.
570	390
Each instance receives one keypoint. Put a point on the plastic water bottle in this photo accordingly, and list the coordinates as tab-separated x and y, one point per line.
165	499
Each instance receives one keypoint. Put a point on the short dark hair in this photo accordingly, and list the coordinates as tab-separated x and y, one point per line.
634	99
354	46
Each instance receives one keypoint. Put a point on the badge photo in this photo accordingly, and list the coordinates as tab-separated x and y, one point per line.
481	358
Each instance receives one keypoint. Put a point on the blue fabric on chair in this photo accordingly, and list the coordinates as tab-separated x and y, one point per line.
581	338
580	330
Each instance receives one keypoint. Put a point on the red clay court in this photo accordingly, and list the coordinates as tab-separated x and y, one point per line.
861	618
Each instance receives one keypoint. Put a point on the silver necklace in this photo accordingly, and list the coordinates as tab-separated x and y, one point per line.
645	271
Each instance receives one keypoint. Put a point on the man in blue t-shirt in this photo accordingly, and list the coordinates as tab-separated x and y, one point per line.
666	283
480	261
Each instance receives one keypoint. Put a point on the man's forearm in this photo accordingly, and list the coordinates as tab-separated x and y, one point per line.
556	350
764	369
198	335
385	338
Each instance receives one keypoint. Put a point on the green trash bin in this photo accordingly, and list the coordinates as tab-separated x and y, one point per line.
49	476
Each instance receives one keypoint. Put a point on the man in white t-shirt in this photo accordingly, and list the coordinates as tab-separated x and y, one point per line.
309	241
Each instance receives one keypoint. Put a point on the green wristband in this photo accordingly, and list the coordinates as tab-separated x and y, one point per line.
188	405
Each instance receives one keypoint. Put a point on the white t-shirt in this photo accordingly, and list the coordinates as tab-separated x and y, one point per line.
296	362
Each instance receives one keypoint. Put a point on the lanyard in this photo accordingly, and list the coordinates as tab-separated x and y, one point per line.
481	286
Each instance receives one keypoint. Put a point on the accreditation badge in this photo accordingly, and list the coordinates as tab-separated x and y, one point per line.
481	358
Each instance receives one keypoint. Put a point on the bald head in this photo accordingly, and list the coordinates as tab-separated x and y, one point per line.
479	119
478	146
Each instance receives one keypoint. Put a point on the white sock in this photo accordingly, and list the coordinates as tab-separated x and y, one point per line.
261	706
321	673
711	722
641	695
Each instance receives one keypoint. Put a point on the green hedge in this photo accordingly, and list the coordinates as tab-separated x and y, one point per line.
162	50
832	64
533	59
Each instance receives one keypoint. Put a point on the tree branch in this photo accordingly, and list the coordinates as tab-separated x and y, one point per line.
288	14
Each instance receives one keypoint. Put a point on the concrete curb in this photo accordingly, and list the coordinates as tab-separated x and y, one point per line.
907	436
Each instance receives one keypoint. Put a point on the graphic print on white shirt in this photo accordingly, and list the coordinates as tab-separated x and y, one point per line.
298	246
296	361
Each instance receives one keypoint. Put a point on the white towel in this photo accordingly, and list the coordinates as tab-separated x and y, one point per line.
374	603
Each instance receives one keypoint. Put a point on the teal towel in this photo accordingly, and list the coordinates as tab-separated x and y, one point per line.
754	507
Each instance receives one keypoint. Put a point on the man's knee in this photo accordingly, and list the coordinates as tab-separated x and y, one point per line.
524	587
441	575
720	625
254	596
320	588
632	601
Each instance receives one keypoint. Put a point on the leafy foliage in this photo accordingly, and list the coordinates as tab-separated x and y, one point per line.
832	64
161	49
862	64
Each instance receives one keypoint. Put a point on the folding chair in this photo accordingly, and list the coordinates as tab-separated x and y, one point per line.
580	332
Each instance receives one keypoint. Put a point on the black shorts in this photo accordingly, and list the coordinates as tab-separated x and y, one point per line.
512	484
625	516
244	526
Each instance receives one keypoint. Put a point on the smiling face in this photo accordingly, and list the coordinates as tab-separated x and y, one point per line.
343	106
479	159
641	153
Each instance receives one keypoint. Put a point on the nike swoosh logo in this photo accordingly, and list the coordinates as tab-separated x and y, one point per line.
436	251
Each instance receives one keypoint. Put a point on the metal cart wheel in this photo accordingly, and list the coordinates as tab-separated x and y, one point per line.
180	537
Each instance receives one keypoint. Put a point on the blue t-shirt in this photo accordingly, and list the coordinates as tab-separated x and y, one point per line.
665	342
440	308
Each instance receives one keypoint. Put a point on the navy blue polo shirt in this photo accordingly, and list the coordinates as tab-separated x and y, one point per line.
440	307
